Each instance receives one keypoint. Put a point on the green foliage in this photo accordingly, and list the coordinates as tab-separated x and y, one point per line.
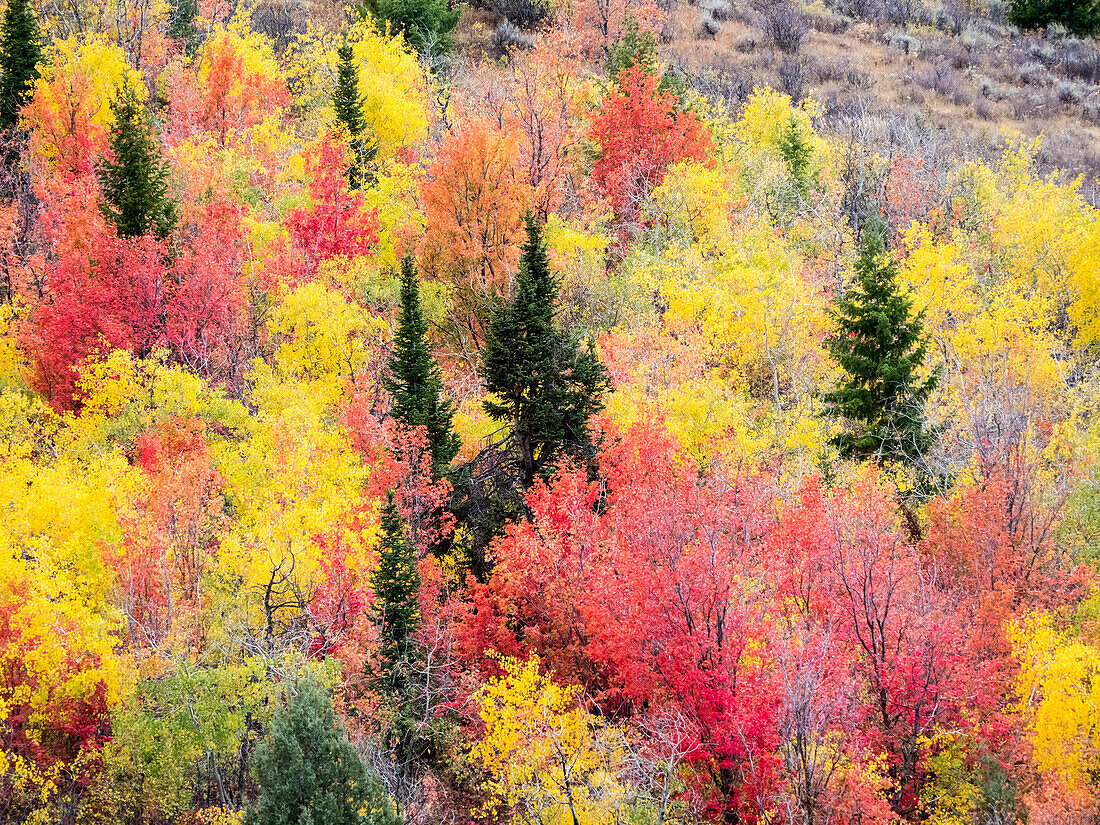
397	676
1079	16
639	48
425	24
415	382
133	179
396	586
542	383
193	726
181	24
348	103
20	53
797	151
309	772
880	345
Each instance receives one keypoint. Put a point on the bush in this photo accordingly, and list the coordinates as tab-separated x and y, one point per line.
786	27
508	36
1078	16
708	26
525	13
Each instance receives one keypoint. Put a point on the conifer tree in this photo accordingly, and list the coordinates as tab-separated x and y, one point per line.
396	586
348	104
133	179
20	53
309	773
415	382
880	345
181	24
398	676
538	379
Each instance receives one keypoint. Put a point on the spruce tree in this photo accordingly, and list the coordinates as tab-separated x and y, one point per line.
133	179
538	379
348	104
20	54
880	345
310	774
415	382
396	586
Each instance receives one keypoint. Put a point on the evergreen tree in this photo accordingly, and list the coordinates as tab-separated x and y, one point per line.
181	24
539	380
880	345
348	104
310	774
415	382
425	24
396	586
1081	17
134	178
20	53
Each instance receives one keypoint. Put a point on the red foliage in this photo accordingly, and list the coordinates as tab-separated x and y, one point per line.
639	589
641	134
336	223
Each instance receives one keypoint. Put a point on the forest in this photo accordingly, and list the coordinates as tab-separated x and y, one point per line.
550	412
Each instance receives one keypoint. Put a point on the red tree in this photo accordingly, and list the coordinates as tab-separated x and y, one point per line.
641	132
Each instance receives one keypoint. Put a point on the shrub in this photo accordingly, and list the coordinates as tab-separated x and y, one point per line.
786	27
526	13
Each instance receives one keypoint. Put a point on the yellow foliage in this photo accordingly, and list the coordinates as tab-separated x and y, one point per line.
940	279
543	752
693	205
397	104
323	338
1059	691
72	98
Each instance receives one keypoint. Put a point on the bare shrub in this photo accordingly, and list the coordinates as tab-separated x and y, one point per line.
792	77
786	27
525	13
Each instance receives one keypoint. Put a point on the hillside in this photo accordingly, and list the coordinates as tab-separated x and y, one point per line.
605	412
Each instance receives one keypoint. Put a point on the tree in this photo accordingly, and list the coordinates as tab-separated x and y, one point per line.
426	24
396	585
543	384
880	345
133	178
1079	16
641	132
181	24
309	772
348	103
415	382
20	52
474	200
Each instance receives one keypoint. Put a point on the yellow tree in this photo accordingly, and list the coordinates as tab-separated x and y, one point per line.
548	760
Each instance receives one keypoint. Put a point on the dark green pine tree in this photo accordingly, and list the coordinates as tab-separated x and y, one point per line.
880	344
396	586
133	179
538	379
348	104
415	382
310	774
20	54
